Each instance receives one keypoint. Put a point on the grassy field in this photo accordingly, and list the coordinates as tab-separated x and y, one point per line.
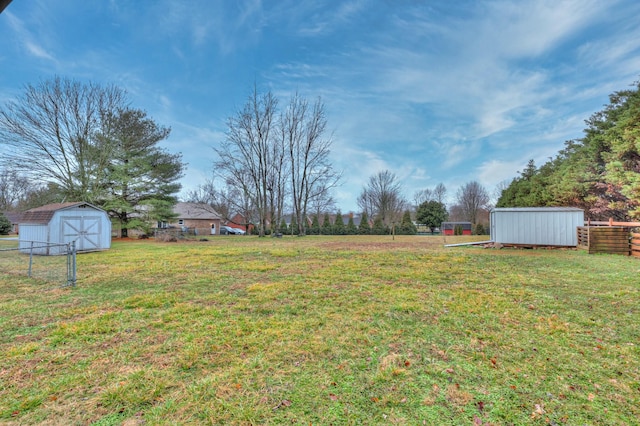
325	330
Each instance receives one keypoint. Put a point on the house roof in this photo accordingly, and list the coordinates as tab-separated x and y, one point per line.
196	211
43	214
13	217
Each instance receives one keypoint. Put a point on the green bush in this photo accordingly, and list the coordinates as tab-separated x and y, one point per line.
379	228
315	226
5	225
364	228
338	225
351	228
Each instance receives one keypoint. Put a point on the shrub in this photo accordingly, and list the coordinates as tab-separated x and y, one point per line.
315	226
379	228
5	225
351	227
406	226
364	228
327	227
338	225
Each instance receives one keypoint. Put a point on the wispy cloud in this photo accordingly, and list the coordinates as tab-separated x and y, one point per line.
325	19
27	39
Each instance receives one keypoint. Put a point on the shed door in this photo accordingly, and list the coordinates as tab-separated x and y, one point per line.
85	230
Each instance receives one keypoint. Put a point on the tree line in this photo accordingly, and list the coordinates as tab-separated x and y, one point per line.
599	172
64	140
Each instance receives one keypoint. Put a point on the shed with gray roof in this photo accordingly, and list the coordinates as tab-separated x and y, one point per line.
62	223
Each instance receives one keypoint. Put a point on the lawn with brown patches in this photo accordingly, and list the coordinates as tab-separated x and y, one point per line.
324	330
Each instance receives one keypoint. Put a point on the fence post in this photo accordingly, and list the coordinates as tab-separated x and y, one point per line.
30	259
71	262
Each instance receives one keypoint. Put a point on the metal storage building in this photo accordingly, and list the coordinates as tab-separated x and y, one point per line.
62	223
544	226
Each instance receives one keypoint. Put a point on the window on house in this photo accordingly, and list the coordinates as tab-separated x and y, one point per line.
180	221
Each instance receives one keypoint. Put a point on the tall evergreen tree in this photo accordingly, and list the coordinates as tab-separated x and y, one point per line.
338	225
315	225
598	172
327	228
283	227
379	228
406	225
294	226
364	228
141	178
351	228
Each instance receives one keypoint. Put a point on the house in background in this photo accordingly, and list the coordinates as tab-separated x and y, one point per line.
202	218
62	223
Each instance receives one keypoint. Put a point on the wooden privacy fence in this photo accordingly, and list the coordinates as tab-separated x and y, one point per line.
610	237
635	244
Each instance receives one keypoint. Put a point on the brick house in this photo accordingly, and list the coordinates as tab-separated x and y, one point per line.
200	217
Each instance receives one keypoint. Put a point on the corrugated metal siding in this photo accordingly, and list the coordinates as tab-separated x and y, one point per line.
33	232
536	226
88	226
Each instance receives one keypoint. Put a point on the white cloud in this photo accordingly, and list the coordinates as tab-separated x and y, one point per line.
492	172
27	38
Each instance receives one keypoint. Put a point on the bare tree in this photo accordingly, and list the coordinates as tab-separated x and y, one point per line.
227	199
208	194
51	130
382	198
277	178
440	193
422	196
246	155
425	195
14	188
471	198
311	174
499	189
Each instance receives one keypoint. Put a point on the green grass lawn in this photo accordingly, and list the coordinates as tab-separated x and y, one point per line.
325	330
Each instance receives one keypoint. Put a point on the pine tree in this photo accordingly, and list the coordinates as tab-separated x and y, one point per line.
338	225
315	226
351	228
5	225
379	227
283	227
327	228
406	226
364	228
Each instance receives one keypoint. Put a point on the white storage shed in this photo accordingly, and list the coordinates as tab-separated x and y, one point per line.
62	223
543	226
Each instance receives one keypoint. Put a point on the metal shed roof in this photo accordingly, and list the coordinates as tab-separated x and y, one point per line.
535	209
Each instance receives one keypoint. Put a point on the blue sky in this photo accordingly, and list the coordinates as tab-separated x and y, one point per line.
434	91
